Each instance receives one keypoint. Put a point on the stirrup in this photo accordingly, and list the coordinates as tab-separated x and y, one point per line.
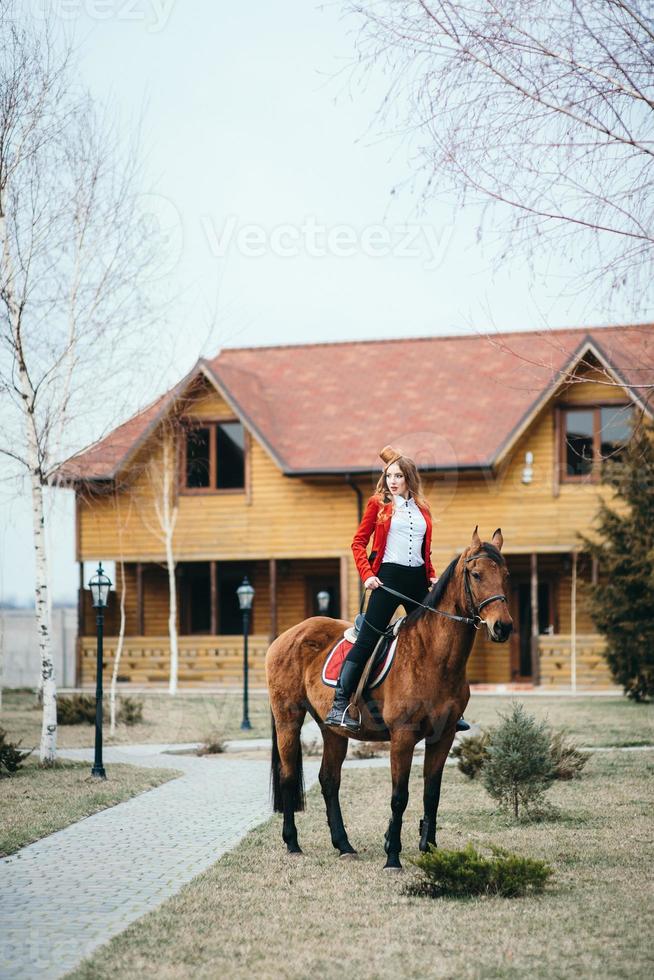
354	725
346	721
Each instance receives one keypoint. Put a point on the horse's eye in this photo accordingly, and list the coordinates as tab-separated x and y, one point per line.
476	575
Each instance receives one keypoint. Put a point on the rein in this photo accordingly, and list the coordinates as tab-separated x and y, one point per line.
476	620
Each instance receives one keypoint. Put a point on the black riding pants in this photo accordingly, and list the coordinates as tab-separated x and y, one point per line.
411	582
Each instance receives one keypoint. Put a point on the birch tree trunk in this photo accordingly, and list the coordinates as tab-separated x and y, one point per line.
162	479
27	394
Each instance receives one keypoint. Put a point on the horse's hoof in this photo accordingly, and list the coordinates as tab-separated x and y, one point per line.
295	852
393	867
349	855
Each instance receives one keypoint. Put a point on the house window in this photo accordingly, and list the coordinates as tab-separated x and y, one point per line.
198	454
230	451
215	457
593	434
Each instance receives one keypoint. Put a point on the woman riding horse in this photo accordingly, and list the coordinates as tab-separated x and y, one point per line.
399	516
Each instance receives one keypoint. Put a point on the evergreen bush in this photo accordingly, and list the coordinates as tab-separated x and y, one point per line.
11	755
519	767
567	758
76	709
467	872
622	601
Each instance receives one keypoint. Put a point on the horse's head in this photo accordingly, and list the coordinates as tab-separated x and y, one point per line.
485	578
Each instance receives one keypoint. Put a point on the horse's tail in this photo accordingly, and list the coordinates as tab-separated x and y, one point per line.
296	784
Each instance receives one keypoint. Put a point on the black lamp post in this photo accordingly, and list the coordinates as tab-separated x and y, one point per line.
323	599
99	585
245	594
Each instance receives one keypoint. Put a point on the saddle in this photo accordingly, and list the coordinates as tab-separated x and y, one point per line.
378	664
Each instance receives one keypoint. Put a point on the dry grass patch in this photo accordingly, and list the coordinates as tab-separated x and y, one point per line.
183	718
35	802
258	912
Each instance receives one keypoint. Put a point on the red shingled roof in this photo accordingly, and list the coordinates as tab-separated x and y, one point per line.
446	401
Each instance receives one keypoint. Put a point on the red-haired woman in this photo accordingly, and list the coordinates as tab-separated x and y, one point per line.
399	517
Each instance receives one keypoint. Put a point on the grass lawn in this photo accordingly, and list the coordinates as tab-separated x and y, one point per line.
183	718
35	802
259	912
600	721
609	721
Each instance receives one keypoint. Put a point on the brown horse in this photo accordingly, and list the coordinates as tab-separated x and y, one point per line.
423	695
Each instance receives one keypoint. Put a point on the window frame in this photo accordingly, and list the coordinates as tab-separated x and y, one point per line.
595	407
212	489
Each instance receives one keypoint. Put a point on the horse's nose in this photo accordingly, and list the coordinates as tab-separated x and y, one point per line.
502	631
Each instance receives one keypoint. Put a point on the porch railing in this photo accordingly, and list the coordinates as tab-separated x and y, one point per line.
556	661
202	659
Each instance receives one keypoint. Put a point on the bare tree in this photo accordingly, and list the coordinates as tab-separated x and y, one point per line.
72	255
158	508
544	112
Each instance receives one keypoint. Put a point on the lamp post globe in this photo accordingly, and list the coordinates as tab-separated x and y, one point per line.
323	599
100	586
245	594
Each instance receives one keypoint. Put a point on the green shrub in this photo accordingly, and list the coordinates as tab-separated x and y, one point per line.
467	872
472	752
519	767
11	755
622	600
214	744
76	709
567	758
130	711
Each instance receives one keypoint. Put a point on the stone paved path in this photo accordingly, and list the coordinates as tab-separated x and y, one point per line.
63	896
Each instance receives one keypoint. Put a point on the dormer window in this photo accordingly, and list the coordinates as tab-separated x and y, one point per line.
215	457
591	435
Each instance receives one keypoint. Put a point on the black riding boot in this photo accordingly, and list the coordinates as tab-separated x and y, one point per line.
462	725
345	687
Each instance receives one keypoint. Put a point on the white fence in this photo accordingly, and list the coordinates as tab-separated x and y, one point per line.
19	651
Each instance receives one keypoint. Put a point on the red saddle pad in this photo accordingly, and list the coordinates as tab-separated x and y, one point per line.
337	655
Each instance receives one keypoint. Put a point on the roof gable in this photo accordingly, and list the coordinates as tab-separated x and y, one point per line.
450	402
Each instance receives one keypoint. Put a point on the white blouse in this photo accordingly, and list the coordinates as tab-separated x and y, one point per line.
406	533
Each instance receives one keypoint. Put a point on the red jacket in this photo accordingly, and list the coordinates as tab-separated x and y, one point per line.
377	518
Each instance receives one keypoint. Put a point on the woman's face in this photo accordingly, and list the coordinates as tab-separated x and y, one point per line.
395	480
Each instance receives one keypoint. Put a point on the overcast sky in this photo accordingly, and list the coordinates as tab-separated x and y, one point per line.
289	214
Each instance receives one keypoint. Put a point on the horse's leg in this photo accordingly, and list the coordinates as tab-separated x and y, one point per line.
334	751
402	744
435	756
288	780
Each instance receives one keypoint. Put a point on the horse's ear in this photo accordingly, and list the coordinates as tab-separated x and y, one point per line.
476	540
497	539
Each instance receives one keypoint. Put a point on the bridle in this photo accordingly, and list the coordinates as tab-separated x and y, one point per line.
500	597
474	620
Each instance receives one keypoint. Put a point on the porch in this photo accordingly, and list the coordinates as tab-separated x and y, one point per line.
209	620
553	644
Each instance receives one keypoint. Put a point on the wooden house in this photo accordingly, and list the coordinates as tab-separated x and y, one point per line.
264	458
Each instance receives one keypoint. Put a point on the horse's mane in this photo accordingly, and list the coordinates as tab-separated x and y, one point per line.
437	591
